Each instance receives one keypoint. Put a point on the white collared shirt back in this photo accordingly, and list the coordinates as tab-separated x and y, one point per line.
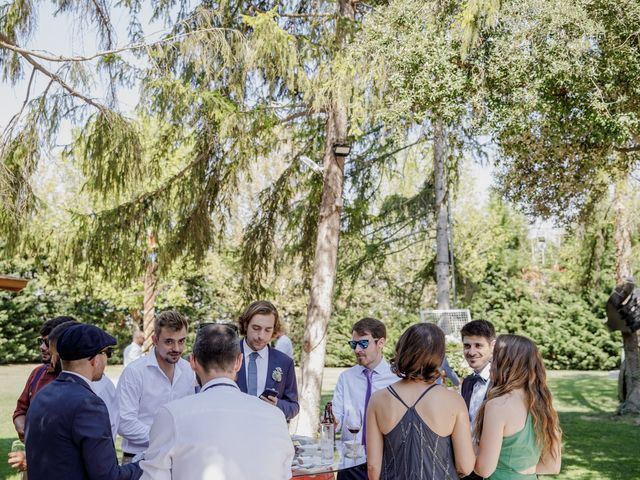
220	433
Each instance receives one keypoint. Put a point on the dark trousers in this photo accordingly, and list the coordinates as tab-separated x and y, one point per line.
472	476
355	473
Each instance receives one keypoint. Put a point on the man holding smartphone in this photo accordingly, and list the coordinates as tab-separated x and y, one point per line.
266	372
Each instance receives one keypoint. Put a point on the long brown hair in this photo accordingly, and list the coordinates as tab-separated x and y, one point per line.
518	364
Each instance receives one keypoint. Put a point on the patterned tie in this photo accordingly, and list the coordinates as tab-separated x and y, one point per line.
369	374
252	377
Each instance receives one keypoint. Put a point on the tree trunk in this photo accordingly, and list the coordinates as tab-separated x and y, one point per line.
323	278
630	387
326	255
442	225
150	292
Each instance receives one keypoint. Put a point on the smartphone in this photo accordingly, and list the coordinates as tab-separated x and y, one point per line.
269	392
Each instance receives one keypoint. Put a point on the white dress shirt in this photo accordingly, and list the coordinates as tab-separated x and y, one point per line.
86	380
262	363
351	390
142	389
131	353
479	392
219	434
106	390
284	345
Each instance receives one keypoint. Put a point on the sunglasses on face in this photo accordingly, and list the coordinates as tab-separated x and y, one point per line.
44	340
107	352
364	344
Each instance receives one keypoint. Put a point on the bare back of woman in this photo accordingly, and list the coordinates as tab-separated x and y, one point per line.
422	431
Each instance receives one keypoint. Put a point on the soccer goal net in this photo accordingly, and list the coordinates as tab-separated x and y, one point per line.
450	321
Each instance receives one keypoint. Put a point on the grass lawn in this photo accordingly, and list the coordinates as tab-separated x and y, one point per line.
597	444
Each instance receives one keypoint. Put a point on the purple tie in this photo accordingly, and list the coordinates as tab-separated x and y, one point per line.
369	374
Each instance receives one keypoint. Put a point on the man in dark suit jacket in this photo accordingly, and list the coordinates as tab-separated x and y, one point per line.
478	339
68	432
264	367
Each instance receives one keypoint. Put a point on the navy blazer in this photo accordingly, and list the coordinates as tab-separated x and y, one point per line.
467	390
287	387
68	435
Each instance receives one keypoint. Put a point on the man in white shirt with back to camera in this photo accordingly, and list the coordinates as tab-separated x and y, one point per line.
220	433
153	381
134	350
355	385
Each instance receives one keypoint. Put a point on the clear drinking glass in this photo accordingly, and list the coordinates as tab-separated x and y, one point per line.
326	442
353	421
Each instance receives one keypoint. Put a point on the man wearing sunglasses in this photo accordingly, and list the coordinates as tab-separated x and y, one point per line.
40	376
355	385
68	433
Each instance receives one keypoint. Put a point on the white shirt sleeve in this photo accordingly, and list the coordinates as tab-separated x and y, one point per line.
106	390
129	394
158	457
338	401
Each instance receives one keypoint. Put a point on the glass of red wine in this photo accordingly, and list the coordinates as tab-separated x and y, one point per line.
353	421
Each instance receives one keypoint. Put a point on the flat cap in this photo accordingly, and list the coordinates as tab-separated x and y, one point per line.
83	341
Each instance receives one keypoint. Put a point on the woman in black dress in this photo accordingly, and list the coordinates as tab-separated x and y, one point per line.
417	429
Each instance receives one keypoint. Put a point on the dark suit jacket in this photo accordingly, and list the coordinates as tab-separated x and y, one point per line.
467	389
287	387
68	435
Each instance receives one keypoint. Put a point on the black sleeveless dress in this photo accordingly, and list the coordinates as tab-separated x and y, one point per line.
413	451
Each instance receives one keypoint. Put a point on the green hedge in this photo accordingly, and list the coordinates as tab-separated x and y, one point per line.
568	330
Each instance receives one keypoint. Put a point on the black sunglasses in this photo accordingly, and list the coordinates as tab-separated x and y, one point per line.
44	340
107	351
364	344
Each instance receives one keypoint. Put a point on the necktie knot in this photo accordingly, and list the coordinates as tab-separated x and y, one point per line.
253	355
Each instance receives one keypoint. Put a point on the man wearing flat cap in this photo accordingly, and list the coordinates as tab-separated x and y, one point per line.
68	433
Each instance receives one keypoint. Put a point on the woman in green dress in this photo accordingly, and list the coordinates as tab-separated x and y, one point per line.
517	427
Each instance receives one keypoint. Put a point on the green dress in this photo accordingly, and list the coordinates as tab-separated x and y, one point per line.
519	452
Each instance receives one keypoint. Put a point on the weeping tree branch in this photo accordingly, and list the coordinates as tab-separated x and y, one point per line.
6	43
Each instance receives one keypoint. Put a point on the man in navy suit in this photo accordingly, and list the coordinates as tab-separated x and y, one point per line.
264	367
68	432
478	339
